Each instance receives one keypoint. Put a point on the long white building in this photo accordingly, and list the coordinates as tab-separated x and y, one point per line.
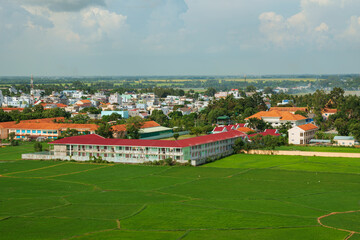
196	150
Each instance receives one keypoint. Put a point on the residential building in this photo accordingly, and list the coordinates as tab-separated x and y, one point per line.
115	98
195	150
327	112
344	141
272	132
302	134
276	118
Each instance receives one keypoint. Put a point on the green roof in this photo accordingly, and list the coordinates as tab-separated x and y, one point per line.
223	118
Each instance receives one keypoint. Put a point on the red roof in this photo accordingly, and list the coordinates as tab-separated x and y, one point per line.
219	129
271	131
264	134
94	139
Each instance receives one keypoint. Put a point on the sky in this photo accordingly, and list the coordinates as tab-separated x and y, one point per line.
178	37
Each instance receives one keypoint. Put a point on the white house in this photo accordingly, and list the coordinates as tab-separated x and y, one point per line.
344	141
276	118
302	134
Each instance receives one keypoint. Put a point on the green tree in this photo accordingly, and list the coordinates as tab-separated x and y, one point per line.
176	136
38	147
342	127
104	130
133	126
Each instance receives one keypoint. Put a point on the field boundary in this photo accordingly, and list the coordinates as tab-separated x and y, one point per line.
303	153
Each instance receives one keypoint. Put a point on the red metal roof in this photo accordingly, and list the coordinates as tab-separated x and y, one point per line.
264	134
93	139
219	129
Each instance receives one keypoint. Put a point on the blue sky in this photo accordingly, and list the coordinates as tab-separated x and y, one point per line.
179	37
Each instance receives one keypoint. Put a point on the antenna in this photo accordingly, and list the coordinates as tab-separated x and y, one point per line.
32	82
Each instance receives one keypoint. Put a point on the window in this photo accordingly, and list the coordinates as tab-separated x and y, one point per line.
38	131
22	131
33	131
301	134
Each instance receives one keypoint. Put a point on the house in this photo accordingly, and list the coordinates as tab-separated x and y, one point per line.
344	141
327	112
276	118
83	103
194	150
302	134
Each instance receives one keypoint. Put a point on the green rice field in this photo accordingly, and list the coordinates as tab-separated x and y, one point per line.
319	149
238	197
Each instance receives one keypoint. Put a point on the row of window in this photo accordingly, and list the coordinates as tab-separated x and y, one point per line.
36	131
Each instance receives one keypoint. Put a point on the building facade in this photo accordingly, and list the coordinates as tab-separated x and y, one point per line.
302	134
196	150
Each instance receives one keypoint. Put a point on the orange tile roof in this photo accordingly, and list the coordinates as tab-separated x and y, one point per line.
289	109
283	115
244	129
329	110
85	101
5	109
122	127
307	127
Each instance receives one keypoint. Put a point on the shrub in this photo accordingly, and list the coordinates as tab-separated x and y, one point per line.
38	147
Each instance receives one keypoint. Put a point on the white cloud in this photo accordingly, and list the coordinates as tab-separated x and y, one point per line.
323	27
318	24
91	24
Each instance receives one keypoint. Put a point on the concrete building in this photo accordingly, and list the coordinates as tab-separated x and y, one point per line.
195	150
115	98
344	141
45	128
302	134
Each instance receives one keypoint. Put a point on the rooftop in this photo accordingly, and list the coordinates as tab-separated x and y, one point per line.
344	138
283	115
307	127
94	139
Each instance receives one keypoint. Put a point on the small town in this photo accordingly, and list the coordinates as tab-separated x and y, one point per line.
179	120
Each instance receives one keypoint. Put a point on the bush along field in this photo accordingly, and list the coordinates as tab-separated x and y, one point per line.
239	197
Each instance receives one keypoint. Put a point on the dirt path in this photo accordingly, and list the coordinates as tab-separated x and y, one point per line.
351	233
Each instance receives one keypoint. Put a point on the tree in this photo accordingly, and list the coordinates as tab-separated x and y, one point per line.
196	131
38	147
81	119
176	136
258	124
104	130
355	130
251	88
342	127
69	133
302	113
133	126
210	92
159	117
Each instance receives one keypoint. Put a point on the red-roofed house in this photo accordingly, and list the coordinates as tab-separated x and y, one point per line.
196	149
302	134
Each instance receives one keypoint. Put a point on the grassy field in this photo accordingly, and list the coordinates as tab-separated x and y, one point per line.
239	197
319	149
